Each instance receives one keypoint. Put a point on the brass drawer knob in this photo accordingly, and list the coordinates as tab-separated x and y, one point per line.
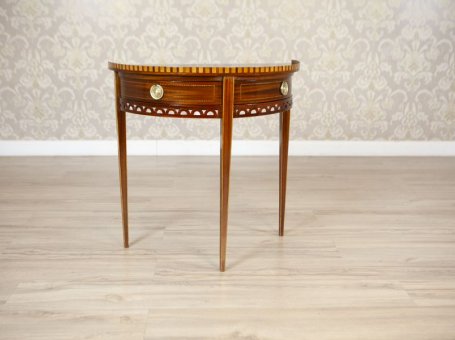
284	88
156	91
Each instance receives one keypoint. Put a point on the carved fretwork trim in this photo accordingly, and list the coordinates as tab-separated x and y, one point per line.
240	110
146	108
260	109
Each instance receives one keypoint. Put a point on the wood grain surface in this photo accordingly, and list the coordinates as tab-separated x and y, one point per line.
369	251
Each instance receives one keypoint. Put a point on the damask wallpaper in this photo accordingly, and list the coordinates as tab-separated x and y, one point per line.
371	69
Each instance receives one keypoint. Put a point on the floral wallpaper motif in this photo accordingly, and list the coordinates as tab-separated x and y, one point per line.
371	70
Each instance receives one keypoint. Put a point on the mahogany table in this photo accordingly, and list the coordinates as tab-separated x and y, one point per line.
216	92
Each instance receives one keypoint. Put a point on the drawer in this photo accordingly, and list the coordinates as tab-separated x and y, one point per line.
169	91
249	90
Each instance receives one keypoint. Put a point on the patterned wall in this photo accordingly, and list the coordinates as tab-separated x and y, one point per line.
371	69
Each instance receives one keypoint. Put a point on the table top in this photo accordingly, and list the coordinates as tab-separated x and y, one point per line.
204	70
198	91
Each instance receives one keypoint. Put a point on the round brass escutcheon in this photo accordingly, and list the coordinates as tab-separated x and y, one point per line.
284	88
156	91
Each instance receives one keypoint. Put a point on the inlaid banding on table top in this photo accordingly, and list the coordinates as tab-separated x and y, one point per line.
206	69
240	110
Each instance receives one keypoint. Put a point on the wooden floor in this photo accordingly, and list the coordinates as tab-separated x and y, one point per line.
368	251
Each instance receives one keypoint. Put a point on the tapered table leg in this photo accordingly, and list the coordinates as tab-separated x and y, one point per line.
121	134
225	162
285	118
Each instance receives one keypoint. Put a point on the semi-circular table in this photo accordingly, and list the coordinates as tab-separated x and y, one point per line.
206	91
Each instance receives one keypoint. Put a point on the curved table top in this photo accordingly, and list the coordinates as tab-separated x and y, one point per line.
205	70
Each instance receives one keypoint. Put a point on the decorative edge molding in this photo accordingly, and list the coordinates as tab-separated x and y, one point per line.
294	66
240	110
212	147
147	108
261	109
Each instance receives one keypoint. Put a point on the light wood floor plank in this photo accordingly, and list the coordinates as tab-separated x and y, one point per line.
368	251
